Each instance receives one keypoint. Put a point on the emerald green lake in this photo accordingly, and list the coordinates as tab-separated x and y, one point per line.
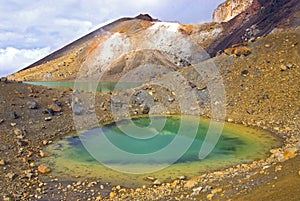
102	87
236	145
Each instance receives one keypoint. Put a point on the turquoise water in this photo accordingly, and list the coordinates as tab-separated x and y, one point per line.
102	87
236	145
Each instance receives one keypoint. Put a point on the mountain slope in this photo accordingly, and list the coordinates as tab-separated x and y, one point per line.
237	24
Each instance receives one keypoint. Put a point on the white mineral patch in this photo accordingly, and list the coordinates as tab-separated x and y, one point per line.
168	26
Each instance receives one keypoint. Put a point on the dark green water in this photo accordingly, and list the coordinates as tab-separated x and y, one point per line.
236	145
102	87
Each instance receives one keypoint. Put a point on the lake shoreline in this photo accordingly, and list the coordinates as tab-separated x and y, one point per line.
61	124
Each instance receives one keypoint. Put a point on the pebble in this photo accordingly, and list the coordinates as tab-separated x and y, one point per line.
54	107
44	153
44	169
278	168
22	143
11	176
32	105
190	184
287	154
267	45
230	120
283	67
112	194
2	162
150	178
17	131
217	190
244	73
182	177
1	121
48	118
198	189
210	196
13	124
156	182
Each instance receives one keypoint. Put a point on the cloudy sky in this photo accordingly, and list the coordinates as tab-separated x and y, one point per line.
31	29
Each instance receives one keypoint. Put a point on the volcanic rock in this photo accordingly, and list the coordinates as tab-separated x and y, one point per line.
44	169
231	8
32	105
2	162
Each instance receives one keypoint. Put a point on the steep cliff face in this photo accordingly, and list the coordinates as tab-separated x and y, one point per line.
230	9
259	19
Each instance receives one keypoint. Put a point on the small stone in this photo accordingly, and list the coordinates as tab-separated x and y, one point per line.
217	190
101	187
156	182
267	45
283	67
182	177
15	115
266	96
17	131
150	178
299	172
112	194
22	143
13	124
198	189
244	73
2	162
32	105
44	153
48	118
278	168
11	176
1	121
287	154
210	196
190	184
207	188
230	120
44	169
54	107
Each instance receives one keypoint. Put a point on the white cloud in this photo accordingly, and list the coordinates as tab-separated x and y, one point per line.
12	59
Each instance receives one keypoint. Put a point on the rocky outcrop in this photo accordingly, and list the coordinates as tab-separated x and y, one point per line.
230	9
259	19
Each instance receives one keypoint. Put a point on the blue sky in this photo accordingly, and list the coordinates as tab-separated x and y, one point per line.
31	29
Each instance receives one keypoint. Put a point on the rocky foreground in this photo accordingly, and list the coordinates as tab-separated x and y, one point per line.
262	82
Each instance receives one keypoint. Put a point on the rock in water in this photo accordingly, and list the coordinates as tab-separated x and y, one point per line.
44	169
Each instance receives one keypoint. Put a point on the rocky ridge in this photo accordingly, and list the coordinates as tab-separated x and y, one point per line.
231	8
